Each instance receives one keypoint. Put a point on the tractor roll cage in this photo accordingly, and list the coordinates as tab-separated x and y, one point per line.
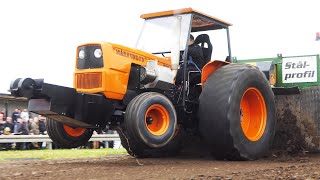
199	22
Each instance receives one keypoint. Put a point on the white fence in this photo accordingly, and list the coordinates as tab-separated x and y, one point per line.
45	138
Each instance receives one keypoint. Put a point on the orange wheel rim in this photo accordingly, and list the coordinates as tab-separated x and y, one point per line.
157	120
253	114
75	132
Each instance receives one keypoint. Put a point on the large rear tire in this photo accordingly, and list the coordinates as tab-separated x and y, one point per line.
67	137
237	113
150	127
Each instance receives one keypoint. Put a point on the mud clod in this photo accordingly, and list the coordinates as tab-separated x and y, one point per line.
288	136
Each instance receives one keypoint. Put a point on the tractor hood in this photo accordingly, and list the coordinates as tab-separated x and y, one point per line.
111	50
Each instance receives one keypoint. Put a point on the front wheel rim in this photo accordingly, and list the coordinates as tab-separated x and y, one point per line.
74	132
157	120
253	114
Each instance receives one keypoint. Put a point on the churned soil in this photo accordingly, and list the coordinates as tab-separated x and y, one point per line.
276	166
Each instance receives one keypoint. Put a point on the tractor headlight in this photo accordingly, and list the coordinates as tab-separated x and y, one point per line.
90	56
97	53
81	54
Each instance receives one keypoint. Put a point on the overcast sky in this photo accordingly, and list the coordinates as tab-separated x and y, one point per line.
38	38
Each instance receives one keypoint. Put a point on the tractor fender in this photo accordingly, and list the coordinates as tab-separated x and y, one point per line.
211	67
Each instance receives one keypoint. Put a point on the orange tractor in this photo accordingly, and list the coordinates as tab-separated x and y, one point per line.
135	91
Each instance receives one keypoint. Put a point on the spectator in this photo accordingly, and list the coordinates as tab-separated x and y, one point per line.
2	122
3	112
22	129
34	129
34	126
8	129
25	115
9	124
42	125
15	115
30	122
95	144
6	146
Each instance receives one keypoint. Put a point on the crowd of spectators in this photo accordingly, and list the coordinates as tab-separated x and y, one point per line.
21	123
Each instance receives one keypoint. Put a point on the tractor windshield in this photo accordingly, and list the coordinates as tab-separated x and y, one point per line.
159	35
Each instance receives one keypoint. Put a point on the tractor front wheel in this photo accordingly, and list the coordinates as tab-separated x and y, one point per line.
66	136
150	127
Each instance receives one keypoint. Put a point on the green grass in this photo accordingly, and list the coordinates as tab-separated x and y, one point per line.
59	153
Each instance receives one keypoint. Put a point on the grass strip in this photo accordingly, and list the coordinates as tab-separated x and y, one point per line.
59	153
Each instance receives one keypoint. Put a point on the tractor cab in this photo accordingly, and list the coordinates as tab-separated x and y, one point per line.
167	33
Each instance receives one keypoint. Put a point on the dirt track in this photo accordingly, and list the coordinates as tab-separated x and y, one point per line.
126	167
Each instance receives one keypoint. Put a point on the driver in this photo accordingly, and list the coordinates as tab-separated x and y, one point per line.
195	55
195	52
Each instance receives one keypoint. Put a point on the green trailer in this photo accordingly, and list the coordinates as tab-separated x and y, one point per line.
295	82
